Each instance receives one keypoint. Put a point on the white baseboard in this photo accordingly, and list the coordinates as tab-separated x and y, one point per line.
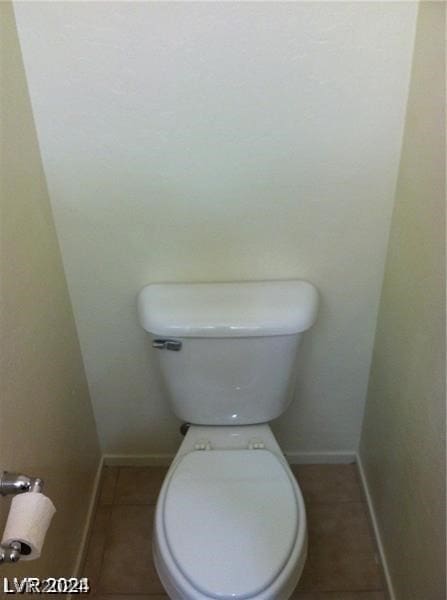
138	460
89	519
163	460
375	524
320	458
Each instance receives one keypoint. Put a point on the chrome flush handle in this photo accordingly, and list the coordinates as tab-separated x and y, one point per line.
165	344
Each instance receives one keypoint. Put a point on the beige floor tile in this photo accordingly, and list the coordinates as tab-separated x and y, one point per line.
127	566
108	485
328	483
96	545
340	566
338	596
340	551
139	485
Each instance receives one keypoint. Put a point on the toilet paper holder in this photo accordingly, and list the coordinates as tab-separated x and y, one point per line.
13	484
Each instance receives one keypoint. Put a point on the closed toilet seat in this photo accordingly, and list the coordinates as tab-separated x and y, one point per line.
230	524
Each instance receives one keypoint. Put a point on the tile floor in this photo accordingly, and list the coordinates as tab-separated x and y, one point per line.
342	563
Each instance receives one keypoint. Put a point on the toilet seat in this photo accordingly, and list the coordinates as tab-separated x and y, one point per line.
230	519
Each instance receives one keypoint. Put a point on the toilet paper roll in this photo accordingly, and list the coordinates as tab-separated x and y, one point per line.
28	521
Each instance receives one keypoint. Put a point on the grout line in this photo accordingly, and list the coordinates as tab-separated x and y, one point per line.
323	594
115	486
341	591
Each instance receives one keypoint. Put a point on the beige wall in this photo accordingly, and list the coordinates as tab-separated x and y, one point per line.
47	427
403	440
204	141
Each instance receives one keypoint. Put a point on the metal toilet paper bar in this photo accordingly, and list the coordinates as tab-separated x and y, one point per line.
13	484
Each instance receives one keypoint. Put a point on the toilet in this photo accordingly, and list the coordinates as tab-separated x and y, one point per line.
230	521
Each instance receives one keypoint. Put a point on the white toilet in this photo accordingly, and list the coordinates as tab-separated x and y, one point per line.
230	521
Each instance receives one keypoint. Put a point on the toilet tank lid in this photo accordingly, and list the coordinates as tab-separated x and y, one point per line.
241	309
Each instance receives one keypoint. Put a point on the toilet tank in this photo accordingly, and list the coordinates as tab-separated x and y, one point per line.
228	351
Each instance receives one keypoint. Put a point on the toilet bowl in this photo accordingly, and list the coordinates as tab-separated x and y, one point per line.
230	521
